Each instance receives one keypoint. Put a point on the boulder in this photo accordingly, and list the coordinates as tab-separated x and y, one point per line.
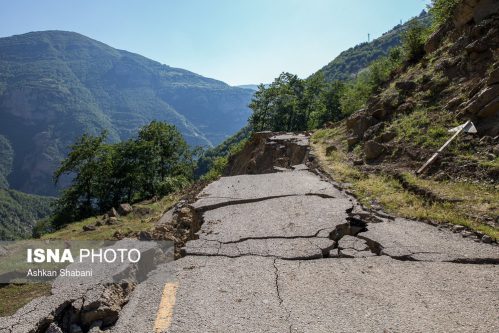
406	86
486	239
436	38
476	46
463	12
490	109
373	149
485	8
352	140
493	77
113	213
89	227
144	236
112	220
484	97
386	137
359	122
125	209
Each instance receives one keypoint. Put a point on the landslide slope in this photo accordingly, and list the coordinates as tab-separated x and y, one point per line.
378	148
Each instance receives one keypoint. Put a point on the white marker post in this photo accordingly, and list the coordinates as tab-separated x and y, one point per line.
467	127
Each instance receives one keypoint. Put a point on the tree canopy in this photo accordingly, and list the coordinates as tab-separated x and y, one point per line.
156	162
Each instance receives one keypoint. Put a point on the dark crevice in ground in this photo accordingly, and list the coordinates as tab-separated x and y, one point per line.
316	235
237	201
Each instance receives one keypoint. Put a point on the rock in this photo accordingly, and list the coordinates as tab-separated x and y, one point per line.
458	228
490	109
358	161
380	113
352	141
89	227
112	221
386	137
406	86
372	149
75	329
98	223
435	39
118	235
463	12
330	150
359	122
144	236
113	213
53	328
493	77
483	98
485	8
372	131
467	233
125	209
490	156
486	239
476	46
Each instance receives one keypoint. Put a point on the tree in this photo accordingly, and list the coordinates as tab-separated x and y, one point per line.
165	156
155	163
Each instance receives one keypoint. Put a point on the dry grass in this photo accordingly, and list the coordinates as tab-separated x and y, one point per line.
467	204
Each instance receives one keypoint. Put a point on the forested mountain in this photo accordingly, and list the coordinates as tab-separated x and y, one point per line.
56	85
356	58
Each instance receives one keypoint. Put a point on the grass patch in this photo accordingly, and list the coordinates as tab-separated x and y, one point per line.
467	203
15	296
142	218
424	128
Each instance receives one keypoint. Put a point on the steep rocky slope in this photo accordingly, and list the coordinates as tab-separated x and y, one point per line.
457	80
377	150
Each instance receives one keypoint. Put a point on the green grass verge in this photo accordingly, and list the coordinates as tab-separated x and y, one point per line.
15	296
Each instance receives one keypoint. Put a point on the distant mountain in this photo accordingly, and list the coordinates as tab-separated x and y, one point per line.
251	86
356	58
56	85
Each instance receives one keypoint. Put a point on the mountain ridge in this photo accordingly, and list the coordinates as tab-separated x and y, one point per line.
56	85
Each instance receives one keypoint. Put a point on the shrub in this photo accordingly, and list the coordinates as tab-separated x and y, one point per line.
413	40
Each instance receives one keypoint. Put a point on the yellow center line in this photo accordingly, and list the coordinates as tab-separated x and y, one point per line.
165	311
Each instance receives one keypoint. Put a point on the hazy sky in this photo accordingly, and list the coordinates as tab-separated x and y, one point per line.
236	41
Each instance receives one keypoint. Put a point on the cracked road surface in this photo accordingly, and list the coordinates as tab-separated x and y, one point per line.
289	252
279	253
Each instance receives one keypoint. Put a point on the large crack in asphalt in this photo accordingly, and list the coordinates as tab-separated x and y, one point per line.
356	224
238	201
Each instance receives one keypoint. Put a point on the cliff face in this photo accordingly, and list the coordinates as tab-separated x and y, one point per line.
457	80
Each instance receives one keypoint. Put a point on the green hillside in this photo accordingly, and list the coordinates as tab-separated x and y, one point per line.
20	211
55	86
352	61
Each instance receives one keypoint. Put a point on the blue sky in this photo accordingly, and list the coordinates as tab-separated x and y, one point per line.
236	41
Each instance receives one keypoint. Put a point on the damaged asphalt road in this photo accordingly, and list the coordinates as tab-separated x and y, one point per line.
289	252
